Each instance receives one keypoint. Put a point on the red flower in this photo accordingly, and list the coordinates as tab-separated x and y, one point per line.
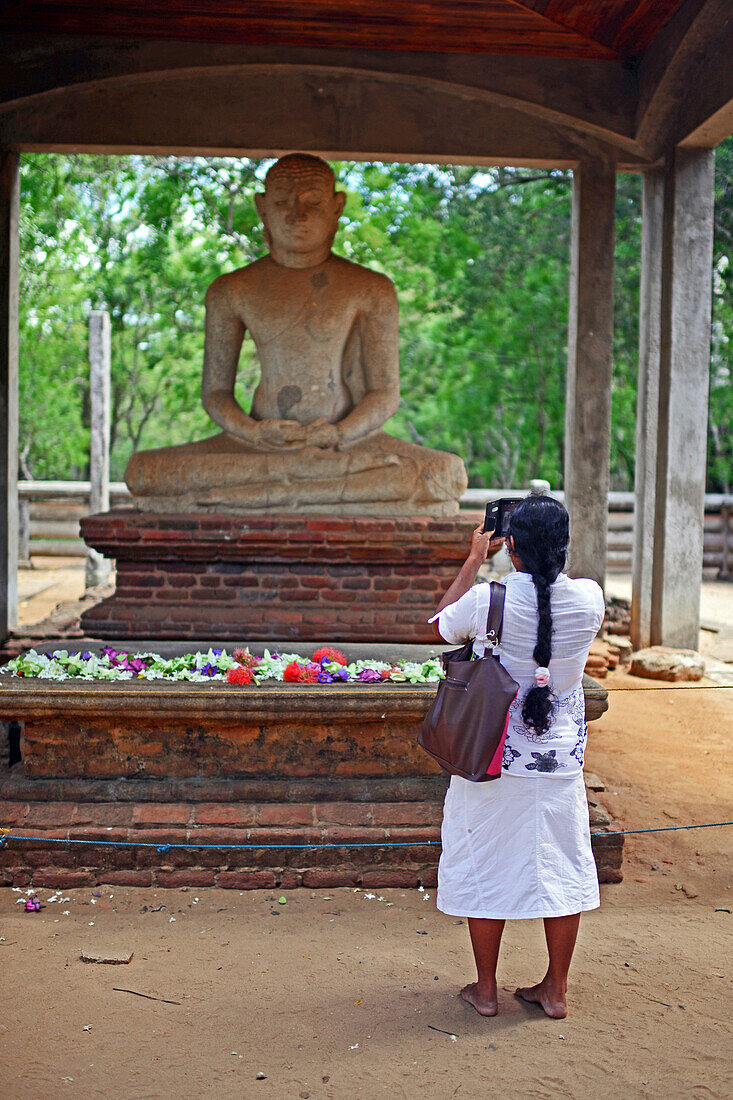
239	675
294	673
330	654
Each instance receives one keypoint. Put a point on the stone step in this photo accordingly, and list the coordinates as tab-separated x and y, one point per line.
341	825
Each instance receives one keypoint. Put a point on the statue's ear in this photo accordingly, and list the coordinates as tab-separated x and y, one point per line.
260	204
340	203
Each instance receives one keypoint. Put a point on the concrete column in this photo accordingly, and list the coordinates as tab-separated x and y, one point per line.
9	215
588	388
98	567
684	369
647	405
24	533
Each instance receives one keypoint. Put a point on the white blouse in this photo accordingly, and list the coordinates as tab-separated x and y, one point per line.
577	614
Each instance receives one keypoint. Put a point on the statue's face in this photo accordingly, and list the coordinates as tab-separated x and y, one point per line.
300	212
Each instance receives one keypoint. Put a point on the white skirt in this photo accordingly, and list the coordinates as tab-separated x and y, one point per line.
516	847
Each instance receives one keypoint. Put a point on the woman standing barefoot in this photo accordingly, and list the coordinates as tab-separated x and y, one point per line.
520	848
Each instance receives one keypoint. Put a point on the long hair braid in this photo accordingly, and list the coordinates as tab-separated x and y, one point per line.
540	528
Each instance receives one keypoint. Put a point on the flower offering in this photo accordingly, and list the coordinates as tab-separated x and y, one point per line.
326	666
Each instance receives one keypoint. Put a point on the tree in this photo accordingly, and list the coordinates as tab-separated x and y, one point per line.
480	259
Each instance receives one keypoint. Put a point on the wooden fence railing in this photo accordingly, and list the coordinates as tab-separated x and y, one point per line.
50	512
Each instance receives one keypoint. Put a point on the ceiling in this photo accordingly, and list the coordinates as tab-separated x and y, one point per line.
610	30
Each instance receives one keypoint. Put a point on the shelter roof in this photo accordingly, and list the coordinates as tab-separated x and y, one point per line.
599	29
523	82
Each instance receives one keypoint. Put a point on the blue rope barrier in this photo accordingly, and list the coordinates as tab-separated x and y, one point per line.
666	829
162	848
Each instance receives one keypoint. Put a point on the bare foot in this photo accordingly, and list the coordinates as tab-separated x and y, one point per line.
552	1001
485	1004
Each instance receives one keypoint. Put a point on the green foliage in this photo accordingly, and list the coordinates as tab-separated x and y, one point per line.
479	257
720	423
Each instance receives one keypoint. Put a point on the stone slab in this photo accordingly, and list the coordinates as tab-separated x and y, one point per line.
110	958
662	663
150	730
266	577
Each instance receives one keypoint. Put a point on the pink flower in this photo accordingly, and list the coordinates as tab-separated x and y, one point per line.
245	658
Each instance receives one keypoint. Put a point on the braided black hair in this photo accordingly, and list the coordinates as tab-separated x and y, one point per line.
540	528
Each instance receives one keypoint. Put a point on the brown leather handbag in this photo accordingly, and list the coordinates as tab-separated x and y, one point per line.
465	728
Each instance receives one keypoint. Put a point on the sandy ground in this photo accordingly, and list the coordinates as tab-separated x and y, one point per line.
338	993
50	582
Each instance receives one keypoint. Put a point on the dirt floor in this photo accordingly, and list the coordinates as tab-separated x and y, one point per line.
341	993
49	582
353	994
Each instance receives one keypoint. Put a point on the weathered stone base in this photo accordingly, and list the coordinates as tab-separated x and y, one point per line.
153	729
341	823
163	764
271	577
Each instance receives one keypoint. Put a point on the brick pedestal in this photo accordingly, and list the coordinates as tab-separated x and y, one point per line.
273	577
394	832
154	764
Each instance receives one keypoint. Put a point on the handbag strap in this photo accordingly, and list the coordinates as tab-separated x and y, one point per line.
495	618
494	622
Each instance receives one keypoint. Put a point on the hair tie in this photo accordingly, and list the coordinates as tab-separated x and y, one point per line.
542	676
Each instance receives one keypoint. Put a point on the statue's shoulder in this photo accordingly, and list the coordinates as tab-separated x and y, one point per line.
233	284
373	282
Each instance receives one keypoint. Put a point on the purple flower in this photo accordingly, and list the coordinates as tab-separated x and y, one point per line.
325	677
86	655
217	652
208	669
341	674
136	664
368	676
109	652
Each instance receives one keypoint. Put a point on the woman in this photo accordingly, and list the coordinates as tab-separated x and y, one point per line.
520	847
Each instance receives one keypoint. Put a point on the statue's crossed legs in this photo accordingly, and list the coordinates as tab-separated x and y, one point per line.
378	475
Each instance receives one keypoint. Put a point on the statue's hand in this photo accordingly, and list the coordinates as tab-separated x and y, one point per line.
321	433
281	433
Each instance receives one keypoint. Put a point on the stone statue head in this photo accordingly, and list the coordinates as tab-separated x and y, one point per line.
300	209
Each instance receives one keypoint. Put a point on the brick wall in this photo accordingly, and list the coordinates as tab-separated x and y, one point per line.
341	824
274	577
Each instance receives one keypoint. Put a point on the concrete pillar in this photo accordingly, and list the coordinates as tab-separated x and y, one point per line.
588	387
684	369
647	405
9	215
98	567
24	532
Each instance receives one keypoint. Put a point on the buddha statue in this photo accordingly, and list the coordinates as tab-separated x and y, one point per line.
326	334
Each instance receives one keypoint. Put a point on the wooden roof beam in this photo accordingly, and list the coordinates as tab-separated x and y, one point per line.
686	80
268	109
597	98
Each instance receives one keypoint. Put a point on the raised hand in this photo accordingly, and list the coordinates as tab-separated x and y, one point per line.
483	544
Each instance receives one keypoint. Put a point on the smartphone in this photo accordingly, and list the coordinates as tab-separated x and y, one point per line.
498	514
